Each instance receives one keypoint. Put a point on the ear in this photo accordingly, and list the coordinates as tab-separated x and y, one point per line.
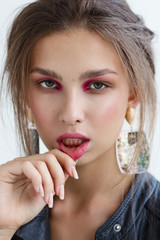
133	99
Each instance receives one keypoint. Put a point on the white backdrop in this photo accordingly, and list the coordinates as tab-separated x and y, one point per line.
8	141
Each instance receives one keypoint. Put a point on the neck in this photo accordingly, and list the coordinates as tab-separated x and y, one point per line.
100	178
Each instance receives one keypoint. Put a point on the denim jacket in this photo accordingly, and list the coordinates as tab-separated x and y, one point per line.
138	217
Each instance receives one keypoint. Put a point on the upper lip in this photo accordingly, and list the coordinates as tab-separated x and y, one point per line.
71	136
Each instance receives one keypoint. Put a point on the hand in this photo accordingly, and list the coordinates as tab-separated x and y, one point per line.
27	184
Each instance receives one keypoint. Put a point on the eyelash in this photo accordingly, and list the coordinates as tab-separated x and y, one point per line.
58	86
103	85
86	86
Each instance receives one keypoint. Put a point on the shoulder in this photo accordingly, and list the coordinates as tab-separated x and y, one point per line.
143	214
148	219
153	203
147	193
150	215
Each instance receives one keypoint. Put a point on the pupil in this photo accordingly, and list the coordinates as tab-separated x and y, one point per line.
98	85
49	83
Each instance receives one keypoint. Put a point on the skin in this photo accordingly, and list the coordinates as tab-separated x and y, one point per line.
75	105
73	109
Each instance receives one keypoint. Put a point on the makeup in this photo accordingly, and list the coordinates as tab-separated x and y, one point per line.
75	145
99	80
51	80
42	79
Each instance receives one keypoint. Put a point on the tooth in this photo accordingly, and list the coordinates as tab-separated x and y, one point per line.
72	141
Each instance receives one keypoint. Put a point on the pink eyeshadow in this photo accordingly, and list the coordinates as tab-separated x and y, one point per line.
52	79
85	85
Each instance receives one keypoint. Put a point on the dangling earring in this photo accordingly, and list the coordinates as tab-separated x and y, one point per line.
34	137
126	145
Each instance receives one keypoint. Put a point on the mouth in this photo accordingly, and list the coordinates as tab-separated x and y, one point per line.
70	143
75	146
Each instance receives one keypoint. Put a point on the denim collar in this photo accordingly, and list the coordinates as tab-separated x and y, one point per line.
129	211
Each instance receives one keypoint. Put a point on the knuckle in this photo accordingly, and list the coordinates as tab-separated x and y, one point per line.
40	164
50	158
26	164
31	172
55	151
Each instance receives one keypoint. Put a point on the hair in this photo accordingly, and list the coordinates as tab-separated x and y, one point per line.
113	20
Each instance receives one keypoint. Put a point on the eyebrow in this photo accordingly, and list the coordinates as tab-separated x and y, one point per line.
85	75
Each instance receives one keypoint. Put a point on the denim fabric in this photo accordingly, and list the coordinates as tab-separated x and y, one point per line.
138	217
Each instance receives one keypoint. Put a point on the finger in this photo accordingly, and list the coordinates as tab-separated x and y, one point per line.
67	163
55	169
47	181
32	174
56	173
66	175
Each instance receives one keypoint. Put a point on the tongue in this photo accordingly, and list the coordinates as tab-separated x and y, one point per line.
74	152
72	146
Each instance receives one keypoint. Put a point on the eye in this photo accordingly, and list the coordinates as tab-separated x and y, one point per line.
49	84
97	85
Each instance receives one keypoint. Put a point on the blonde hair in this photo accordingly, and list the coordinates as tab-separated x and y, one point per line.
112	19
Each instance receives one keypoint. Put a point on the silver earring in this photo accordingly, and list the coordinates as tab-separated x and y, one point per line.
125	149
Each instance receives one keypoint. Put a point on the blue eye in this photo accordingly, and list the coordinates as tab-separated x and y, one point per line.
49	84
98	85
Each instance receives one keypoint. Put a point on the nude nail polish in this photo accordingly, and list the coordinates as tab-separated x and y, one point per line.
61	192
41	191
74	172
50	200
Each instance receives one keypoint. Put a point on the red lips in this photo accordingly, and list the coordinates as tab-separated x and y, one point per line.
75	151
71	136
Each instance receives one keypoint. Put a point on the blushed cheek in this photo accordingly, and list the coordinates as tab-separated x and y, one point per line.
112	113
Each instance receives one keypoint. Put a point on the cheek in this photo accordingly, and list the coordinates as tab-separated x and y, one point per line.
41	109
44	122
111	112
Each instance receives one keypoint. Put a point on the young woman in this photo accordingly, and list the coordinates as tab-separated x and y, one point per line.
80	67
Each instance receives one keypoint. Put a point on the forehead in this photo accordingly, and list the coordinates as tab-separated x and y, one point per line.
75	50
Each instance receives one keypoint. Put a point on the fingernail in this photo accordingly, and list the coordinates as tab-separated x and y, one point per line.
61	192
65	174
41	191
50	200
74	172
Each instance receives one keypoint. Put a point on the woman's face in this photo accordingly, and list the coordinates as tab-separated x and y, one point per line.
78	85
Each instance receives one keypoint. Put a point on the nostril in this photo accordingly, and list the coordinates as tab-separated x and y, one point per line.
71	114
71	121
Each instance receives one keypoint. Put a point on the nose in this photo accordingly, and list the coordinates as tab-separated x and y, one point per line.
72	110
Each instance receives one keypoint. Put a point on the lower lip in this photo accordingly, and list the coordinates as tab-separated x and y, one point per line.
74	152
